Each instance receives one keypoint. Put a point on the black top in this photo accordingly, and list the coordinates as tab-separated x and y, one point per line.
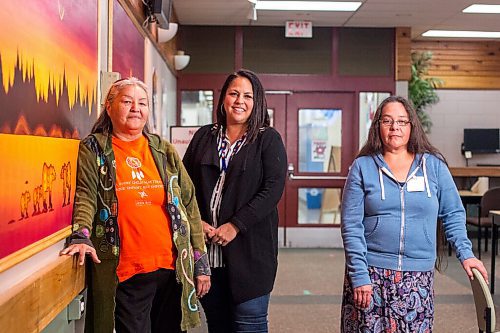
253	187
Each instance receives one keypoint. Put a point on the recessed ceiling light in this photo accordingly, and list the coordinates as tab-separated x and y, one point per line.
482	9
463	34
350	6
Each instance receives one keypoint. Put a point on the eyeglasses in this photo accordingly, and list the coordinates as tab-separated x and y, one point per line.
387	122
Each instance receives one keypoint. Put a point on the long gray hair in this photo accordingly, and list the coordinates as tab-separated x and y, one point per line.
103	123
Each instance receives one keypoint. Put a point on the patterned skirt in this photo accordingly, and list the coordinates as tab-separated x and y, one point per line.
401	302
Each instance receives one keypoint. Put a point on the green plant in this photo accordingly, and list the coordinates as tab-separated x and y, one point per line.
421	88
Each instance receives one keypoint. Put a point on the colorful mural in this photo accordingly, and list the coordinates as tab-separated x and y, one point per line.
128	45
48	68
37	188
48	89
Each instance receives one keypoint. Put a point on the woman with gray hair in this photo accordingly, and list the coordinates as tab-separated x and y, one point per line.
136	216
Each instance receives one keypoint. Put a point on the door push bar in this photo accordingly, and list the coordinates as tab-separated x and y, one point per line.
291	176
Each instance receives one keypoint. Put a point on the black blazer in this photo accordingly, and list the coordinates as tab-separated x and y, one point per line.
253	186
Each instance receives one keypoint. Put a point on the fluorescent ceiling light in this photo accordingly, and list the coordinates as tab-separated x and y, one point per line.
350	6
467	34
482	9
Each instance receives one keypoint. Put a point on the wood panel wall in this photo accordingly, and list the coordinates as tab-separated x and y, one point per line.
32	304
403	54
463	65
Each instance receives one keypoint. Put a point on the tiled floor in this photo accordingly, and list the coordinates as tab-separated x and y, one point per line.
308	294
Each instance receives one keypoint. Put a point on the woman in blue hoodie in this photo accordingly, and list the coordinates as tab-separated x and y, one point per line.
397	188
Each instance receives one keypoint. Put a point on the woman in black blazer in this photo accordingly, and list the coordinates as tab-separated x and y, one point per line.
238	167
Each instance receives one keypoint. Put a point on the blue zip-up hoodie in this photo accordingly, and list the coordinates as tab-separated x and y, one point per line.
391	225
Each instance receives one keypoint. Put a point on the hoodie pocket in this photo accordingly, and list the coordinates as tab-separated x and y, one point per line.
371	224
420	238
382	234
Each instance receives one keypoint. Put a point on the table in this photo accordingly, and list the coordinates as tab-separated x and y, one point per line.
470	198
472	172
495	220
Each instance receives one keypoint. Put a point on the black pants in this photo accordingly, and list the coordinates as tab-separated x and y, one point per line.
149	302
217	303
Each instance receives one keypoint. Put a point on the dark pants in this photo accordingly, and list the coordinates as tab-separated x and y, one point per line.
225	317
149	302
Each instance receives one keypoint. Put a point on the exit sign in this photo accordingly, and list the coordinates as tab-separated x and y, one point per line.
298	29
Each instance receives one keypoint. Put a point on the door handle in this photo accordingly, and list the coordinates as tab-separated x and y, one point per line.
291	169
291	176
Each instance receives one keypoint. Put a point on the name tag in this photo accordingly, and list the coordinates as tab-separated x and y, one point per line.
415	184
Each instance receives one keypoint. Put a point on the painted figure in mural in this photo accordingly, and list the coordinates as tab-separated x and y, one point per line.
67	181
397	188
135	214
238	167
65	176
37	199
48	177
25	200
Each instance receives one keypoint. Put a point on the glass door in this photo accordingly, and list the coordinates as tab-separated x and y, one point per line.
320	133
321	136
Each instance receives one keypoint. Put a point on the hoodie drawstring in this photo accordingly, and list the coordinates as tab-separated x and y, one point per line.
381	180
426	181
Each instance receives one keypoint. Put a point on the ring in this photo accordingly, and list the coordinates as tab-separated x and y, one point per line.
219	242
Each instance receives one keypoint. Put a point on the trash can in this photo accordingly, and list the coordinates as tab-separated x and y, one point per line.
313	198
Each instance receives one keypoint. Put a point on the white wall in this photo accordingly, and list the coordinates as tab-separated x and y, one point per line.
310	237
165	108
459	109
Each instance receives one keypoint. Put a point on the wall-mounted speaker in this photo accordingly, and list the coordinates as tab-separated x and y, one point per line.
162	10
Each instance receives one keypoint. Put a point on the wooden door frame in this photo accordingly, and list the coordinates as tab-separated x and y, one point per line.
277	102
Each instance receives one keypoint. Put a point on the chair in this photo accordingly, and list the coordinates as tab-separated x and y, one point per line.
330	202
489	201
485	309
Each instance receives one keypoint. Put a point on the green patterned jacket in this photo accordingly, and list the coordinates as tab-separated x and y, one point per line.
95	223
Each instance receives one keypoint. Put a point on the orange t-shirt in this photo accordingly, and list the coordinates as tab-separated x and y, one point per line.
144	225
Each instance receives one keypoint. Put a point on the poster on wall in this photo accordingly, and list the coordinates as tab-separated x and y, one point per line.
180	137
48	91
318	148
128	45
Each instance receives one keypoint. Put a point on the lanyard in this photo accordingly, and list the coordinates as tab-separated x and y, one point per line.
225	151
